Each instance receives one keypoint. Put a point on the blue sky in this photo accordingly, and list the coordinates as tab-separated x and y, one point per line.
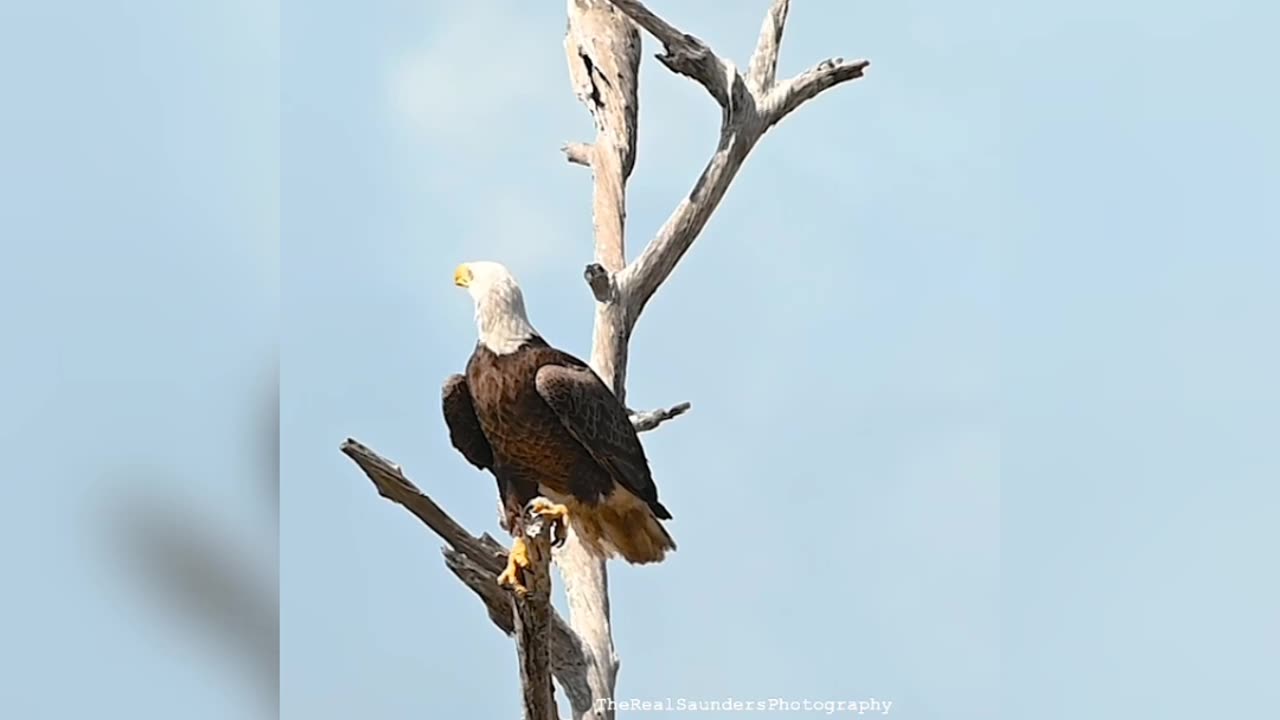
988	338
140	210
1139	358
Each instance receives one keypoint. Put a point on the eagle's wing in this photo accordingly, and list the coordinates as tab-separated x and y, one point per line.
464	426
596	419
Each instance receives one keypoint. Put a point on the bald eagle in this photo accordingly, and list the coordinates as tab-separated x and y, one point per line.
547	426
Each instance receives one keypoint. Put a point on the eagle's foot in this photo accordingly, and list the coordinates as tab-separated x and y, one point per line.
517	562
555	513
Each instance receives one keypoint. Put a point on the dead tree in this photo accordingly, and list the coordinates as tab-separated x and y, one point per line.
603	50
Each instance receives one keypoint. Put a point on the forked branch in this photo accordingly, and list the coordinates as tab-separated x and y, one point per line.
750	105
685	54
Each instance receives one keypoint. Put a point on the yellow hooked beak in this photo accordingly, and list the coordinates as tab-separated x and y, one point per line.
462	276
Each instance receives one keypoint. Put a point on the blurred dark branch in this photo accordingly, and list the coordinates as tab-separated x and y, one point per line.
202	574
200	570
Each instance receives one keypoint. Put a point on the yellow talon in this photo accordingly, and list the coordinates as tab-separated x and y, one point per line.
555	512
517	561
548	509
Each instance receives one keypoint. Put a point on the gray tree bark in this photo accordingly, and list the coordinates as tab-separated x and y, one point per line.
603	51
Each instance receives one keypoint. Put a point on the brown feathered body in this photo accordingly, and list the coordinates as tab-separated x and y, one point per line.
545	424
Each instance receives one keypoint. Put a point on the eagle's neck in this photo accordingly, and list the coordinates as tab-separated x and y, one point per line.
503	325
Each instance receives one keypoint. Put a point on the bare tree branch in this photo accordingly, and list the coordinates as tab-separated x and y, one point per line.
685	54
477	561
789	95
643	276
578	153
650	419
764	61
392	484
601	283
745	120
485	585
568	664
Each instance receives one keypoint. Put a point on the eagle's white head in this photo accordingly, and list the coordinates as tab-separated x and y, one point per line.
500	314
